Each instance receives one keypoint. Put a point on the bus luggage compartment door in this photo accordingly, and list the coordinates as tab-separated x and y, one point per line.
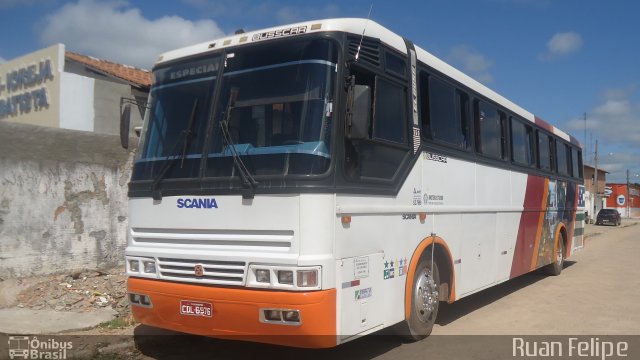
359	299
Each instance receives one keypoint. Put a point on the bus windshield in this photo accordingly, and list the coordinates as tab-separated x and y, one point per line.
278	124
180	100
280	120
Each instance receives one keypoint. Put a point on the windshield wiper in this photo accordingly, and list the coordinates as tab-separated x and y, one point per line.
248	181
188	132
185	138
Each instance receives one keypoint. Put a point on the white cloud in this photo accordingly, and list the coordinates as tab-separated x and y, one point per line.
472	63
290	14
2	60
615	123
264	13
114	30
562	44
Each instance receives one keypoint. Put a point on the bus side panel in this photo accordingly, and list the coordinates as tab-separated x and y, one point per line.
571	204
387	230
548	206
580	219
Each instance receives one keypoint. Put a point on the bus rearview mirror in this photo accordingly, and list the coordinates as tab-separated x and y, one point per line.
359	113
125	121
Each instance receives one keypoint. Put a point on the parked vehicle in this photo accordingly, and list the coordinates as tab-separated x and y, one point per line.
608	216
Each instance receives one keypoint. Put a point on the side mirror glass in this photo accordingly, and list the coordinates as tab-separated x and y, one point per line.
359	112
125	121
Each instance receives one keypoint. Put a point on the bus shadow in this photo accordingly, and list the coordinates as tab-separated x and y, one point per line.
160	344
448	313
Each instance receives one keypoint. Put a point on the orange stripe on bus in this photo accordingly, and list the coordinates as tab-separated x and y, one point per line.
415	259
543	212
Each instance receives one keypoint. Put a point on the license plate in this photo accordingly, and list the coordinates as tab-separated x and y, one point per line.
196	308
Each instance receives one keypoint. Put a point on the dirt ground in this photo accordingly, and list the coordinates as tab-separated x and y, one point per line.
77	291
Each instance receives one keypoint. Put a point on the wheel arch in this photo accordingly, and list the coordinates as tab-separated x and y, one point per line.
444	261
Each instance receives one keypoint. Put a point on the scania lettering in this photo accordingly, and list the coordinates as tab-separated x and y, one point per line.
334	179
197	203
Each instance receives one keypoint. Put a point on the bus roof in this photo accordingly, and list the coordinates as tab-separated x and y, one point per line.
372	29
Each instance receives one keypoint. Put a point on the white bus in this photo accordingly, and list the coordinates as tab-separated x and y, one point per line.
329	179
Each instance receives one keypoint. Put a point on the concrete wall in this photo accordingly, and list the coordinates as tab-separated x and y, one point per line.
63	202
76	102
107	118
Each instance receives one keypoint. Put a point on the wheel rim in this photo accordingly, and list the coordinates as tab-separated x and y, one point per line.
425	296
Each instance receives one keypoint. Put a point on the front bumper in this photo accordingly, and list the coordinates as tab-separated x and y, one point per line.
236	312
606	221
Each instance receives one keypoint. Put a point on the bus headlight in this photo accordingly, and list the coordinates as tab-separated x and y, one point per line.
295	278
149	266
263	275
141	267
307	278
285	277
134	265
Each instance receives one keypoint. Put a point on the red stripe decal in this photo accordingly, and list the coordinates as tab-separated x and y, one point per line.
529	223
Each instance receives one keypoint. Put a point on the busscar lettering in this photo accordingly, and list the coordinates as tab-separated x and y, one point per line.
296	30
435	157
196	203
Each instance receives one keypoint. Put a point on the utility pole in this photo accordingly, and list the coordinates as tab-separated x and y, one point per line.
628	197
595	202
585	131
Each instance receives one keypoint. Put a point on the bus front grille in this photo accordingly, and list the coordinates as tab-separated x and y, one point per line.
202	271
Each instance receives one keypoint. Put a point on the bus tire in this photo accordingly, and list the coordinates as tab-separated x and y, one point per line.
424	302
555	268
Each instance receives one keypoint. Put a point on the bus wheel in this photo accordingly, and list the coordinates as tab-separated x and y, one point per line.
424	302
555	268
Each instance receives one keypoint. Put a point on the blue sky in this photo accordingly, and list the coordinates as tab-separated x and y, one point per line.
556	58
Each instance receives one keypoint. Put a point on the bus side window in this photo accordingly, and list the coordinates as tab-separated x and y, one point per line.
490	130
562	154
544	155
388	118
444	112
521	143
379	156
552	154
576	159
463	115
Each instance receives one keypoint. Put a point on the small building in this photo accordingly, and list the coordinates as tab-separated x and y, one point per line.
62	89
625	198
592	205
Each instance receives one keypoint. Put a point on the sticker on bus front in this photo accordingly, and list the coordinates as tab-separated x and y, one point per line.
196	308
